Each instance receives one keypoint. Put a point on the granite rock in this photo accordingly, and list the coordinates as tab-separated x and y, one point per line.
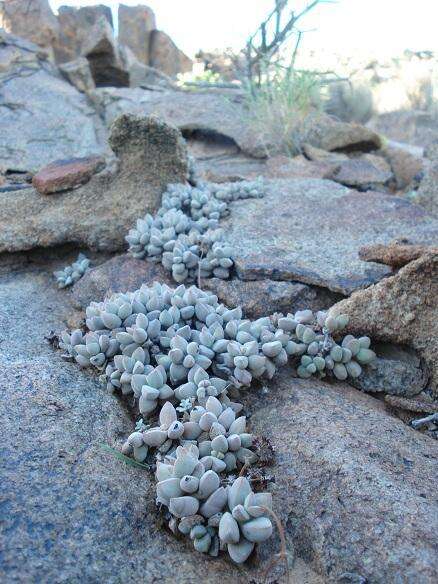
217	113
317	231
405	165
261	297
151	154
165	56
327	133
354	487
103	55
33	21
75	26
135	26
402	310
43	117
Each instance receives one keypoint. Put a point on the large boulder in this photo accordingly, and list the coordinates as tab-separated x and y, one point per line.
75	26
32	20
43	117
354	487
150	155
135	26
311	230
165	55
401	309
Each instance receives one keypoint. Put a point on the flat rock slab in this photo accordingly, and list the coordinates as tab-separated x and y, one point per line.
62	175
311	230
354	487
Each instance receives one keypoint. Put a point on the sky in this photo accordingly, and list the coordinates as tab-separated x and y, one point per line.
390	26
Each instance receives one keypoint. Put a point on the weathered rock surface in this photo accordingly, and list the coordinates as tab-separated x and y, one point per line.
71	511
32	20
311	230
135	25
261	297
165	55
150	154
63	175
43	117
367	172
354	487
396	371
75	26
218	113
121	273
78	73
395	254
103	55
402	309
326	133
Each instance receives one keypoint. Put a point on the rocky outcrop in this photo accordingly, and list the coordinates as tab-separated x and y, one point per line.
401	309
220	114
150	155
354	487
165	55
32	20
311	230
43	117
75	26
135	26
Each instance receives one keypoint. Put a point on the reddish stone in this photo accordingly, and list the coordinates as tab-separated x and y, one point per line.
63	175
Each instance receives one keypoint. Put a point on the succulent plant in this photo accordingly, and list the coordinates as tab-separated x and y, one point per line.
184	231
71	274
245	522
185	350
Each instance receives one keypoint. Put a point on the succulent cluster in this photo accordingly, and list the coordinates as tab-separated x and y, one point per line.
184	235
181	352
71	274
